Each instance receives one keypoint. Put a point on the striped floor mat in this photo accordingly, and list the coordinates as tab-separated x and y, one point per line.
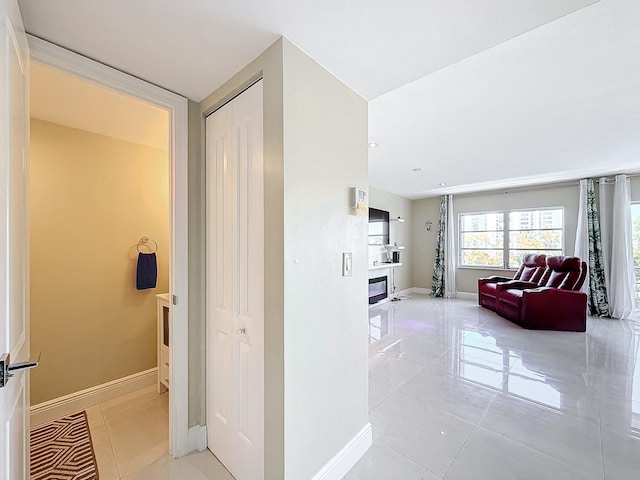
62	450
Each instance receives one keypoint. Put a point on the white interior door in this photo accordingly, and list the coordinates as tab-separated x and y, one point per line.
235	285
14	285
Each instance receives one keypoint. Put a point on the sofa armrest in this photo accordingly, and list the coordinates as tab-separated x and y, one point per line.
554	309
492	279
516	285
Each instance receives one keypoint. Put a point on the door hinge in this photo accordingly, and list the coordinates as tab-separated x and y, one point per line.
174	299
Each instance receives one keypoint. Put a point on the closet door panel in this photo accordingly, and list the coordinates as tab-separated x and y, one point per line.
220	230
248	138
235	285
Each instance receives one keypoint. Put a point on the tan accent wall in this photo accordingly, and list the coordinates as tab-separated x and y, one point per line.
91	199
400	233
424	241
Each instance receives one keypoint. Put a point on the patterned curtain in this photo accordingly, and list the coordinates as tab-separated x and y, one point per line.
437	287
598	303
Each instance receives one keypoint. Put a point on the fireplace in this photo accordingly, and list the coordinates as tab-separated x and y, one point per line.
377	289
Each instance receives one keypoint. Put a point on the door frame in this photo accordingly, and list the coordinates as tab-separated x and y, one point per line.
59	58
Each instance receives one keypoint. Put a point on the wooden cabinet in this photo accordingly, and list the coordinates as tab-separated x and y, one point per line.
164	322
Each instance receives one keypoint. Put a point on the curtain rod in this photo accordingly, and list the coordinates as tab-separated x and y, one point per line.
611	176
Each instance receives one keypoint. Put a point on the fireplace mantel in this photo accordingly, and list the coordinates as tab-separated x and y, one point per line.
384	265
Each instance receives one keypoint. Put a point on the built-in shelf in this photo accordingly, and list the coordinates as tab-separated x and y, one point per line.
384	265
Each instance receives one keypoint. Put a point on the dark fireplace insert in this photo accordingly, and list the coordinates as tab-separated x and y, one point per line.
377	289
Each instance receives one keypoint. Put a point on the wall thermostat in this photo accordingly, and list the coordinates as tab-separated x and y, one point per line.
358	197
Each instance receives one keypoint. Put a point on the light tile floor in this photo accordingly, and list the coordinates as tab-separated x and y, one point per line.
456	392
130	437
129	432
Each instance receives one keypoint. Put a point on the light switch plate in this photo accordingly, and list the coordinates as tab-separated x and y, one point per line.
347	266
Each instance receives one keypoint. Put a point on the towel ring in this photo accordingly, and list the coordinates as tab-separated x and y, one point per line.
144	241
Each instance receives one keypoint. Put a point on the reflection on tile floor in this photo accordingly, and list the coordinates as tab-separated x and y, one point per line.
456	392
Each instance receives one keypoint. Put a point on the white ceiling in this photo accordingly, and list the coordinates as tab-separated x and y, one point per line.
70	101
558	103
478	94
374	46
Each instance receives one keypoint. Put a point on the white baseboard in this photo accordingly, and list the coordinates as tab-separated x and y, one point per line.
427	291
345	459
467	295
59	407
197	438
423	291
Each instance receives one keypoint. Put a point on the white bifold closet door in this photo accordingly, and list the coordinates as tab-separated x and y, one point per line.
235	284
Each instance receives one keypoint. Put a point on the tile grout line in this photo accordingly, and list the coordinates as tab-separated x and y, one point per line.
530	447
410	459
113	453
601	443
475	427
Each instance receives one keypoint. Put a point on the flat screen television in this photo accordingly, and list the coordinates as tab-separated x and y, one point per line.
378	227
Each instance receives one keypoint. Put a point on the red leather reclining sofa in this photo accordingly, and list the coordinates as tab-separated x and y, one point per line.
544	294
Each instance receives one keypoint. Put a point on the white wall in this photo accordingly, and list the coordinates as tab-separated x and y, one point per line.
326	315
563	195
545	196
399	232
635	189
316	356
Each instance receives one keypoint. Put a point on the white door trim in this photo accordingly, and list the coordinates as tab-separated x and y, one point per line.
57	57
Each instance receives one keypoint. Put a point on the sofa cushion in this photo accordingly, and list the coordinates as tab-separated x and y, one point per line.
534	260
527	273
512	297
565	272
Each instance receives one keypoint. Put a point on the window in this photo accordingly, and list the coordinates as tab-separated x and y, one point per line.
635	232
500	239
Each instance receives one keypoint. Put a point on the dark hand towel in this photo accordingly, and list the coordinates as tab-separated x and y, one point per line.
147	271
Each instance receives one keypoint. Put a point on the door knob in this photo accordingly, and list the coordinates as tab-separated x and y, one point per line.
6	367
241	331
